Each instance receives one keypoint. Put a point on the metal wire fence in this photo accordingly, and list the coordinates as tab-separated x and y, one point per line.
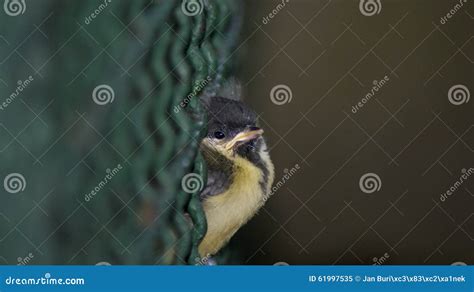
103	177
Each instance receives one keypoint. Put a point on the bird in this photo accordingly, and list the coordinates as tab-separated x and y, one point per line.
240	171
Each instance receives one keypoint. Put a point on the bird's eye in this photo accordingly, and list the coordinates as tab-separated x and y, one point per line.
219	135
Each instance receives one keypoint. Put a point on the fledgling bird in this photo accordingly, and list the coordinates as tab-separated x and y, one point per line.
240	171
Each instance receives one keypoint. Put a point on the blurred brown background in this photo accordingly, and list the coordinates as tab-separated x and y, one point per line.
409	133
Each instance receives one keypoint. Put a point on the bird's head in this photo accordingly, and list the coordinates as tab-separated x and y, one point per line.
232	129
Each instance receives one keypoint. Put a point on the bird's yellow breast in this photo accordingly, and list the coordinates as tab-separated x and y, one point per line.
227	212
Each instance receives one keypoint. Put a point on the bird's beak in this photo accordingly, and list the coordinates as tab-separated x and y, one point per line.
244	136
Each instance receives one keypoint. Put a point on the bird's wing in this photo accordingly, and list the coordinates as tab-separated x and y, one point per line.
217	182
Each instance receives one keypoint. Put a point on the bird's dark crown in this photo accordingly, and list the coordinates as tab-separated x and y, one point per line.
229	114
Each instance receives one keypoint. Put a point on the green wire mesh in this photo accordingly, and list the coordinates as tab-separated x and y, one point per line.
134	151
